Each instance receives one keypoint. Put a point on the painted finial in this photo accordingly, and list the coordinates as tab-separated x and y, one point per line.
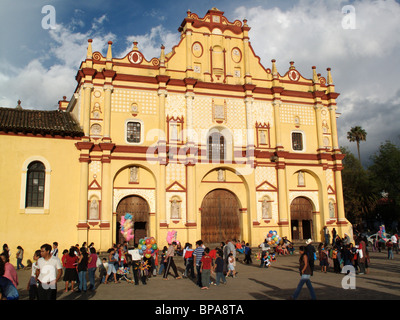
89	52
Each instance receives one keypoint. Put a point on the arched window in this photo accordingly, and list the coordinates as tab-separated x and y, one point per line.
216	146
35	185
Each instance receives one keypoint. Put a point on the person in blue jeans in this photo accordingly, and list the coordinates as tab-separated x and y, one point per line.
305	273
82	269
219	269
7	290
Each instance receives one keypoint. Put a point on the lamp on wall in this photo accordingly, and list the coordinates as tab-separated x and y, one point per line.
274	158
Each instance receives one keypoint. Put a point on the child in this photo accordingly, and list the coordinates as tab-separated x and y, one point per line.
267	260
20	257
162	259
389	246
54	252
32	284
206	264
103	270
323	259
219	269
231	266
189	262
247	253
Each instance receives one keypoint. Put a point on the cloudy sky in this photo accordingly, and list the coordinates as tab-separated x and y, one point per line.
40	52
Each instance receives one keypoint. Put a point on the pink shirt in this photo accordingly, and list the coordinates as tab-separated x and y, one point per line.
11	273
92	264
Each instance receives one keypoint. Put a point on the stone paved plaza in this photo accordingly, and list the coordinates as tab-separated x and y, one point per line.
252	283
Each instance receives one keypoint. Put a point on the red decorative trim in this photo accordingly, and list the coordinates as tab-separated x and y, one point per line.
183	189
283	223
82	225
163	225
256	223
331	190
190	224
104	225
84	145
258	188
94	185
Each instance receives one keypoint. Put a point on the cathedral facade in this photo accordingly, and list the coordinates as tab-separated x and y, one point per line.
204	141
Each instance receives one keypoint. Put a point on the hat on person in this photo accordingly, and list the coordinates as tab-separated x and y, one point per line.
308	241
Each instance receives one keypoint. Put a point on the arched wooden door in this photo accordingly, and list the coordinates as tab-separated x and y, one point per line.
301	215
220	217
139	209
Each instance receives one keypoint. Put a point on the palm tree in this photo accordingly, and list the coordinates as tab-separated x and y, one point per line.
357	134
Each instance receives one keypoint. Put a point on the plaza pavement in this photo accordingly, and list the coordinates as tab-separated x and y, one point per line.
252	283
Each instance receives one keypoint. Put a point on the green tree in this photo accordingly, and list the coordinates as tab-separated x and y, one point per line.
385	177
357	134
359	200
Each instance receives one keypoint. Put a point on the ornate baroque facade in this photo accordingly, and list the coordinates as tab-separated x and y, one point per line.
203	140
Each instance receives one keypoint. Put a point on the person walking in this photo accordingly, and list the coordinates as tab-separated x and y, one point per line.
231	266
247	253
389	246
49	271
310	251
20	257
169	260
197	255
219	269
305	273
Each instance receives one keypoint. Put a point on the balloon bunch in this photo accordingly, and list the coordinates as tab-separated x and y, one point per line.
382	232
171	236
127	227
147	247
273	237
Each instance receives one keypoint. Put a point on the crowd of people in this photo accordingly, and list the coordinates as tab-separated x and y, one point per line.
77	265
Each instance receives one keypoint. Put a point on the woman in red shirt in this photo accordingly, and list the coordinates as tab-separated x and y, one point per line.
70	262
206	264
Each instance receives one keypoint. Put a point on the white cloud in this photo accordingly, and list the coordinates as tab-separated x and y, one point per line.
364	60
41	87
150	43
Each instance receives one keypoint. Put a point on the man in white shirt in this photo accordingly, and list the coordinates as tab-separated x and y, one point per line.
49	271
395	244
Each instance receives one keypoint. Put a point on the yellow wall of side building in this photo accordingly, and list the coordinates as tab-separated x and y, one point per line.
58	223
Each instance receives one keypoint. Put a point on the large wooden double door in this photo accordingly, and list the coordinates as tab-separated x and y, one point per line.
139	209
301	215
220	217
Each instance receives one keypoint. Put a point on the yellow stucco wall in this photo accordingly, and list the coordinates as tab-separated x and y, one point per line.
31	230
